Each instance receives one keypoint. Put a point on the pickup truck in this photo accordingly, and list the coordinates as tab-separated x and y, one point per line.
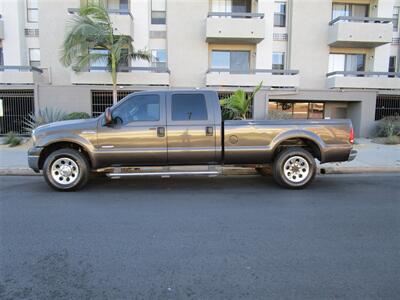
176	128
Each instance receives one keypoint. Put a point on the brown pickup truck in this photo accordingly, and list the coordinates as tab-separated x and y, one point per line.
171	129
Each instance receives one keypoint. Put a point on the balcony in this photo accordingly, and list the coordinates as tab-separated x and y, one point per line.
359	32
246	28
126	76
363	80
121	19
22	75
271	78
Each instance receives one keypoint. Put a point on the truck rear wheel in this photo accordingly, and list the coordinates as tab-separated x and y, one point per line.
294	168
66	170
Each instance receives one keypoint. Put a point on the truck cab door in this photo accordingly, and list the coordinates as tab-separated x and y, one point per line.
138	133
191	130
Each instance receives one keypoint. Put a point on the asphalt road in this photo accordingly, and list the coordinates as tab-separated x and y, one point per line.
201	238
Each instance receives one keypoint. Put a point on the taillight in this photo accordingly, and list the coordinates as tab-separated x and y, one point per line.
351	137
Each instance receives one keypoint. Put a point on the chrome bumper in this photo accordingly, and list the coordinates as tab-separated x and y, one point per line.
33	158
353	154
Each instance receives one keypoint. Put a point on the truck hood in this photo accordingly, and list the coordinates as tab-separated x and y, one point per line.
74	126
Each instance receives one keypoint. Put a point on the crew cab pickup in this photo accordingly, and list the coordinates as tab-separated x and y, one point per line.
175	128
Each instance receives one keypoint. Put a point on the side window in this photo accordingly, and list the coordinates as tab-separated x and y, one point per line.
138	109
188	107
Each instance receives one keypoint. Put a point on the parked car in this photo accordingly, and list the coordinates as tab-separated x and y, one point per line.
181	128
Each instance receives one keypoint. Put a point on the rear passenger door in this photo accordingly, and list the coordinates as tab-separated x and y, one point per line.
191	137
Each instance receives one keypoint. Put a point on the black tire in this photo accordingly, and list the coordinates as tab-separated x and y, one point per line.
79	162
294	157
264	171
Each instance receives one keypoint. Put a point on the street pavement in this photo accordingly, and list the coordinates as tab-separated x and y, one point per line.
233	237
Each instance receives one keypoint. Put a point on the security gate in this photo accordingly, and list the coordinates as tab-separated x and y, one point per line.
15	107
103	99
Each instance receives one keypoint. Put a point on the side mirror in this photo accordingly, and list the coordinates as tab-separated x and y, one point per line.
108	116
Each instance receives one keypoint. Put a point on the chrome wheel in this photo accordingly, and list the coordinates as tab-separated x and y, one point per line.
64	171
296	169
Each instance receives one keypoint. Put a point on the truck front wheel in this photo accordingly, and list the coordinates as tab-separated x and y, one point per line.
66	170
294	168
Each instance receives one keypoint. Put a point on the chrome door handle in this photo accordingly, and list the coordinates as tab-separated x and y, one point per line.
209	131
161	131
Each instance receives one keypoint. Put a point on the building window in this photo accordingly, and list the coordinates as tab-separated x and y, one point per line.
32	11
158	12
346	62
1	57
396	12
349	10
280	14
298	109
34	57
387	106
234	61
392	64
100	63
229	6
278	60
159	59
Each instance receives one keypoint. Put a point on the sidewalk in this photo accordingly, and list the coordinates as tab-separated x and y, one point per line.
371	157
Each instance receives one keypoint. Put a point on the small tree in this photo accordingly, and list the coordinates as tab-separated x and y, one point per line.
237	105
91	28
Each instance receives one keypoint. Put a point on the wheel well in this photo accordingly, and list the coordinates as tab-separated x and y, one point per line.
61	145
305	143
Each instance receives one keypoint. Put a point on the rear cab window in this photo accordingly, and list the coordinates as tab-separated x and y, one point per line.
188	107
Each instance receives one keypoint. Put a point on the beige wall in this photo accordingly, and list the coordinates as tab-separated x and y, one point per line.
51	37
308	48
187	49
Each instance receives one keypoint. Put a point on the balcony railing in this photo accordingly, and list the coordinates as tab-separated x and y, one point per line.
363	74
110	11
253	71
22	75
363	80
126	76
233	27
236	15
21	69
361	19
132	69
253	77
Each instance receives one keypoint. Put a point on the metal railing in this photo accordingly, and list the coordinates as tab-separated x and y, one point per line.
253	71
361	19
236	15
132	69
110	11
20	69
387	105
363	74
17	105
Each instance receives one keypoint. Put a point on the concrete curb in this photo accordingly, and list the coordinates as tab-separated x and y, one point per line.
229	171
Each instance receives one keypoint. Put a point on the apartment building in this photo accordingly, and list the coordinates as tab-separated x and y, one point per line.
316	58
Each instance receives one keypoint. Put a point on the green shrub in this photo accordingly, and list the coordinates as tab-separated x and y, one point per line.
12	139
45	116
389	126
77	115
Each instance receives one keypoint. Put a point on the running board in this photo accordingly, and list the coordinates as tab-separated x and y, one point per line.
164	174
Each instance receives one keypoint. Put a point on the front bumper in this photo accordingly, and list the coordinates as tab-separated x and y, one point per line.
33	158
352	155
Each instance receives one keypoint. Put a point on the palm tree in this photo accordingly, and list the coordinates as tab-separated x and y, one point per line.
91	28
237	105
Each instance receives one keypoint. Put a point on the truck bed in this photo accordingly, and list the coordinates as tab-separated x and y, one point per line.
253	141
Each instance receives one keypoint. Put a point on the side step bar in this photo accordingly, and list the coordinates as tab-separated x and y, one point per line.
164	174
